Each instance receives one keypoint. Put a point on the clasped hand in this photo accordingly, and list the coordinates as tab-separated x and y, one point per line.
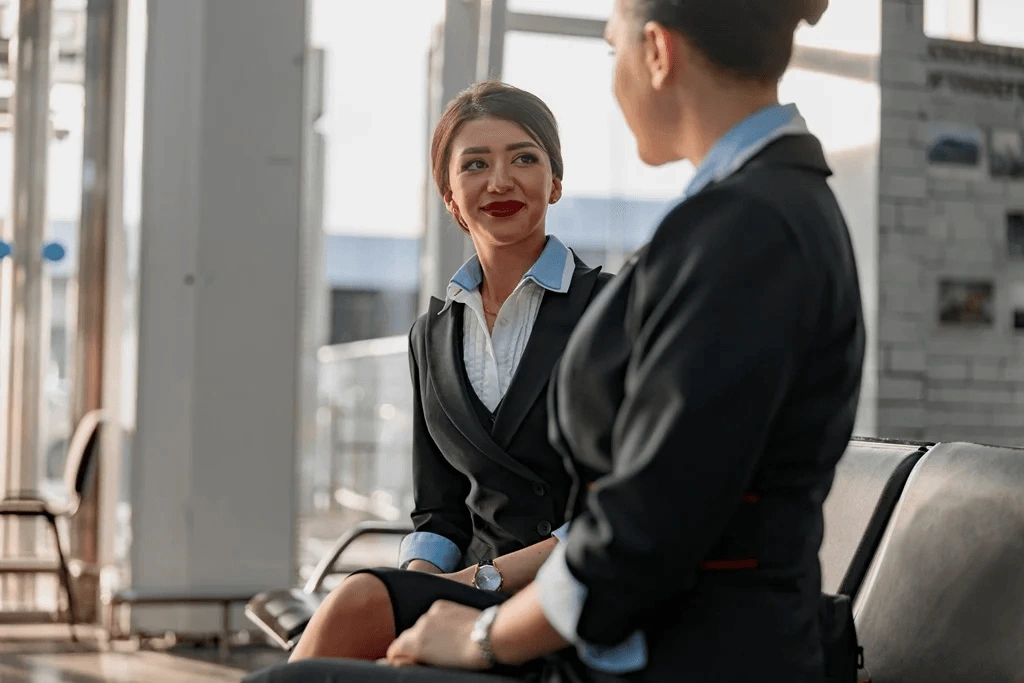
441	638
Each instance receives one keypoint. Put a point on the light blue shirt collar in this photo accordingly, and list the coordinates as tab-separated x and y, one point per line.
744	141
553	271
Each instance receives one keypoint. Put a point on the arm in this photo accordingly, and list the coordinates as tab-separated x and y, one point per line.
422	566
517	569
440	516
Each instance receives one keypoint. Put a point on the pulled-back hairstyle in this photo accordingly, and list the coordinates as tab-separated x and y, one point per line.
500	101
751	39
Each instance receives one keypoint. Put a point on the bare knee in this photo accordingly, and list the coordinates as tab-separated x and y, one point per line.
357	596
355	620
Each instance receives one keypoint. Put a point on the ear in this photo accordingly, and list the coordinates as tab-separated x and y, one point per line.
556	190
449	201
659	54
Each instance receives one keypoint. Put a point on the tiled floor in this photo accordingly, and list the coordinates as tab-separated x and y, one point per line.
44	655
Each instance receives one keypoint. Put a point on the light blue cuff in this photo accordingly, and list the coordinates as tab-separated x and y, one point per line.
562	598
435	549
561	532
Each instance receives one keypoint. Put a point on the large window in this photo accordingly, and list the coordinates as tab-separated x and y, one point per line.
996	22
586	9
376	139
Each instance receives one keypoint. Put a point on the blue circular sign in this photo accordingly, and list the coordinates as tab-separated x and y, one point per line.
53	252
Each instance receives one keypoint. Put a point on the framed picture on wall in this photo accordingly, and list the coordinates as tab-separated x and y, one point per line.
955	150
1015	235
966	302
1017	301
1006	153
1017	298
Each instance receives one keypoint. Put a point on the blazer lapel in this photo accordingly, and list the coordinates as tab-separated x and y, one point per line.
444	368
555	322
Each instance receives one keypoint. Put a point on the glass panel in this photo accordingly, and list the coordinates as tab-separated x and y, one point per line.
376	127
1001	22
587	9
376	137
63	209
611	198
951	19
64	204
848	25
362	470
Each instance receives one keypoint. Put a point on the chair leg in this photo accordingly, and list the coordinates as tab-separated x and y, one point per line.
65	577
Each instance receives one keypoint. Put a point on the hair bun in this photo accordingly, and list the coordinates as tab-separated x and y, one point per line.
813	9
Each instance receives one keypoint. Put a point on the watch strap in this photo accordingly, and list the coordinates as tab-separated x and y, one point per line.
481	634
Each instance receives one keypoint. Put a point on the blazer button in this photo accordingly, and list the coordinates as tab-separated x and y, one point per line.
544	528
539	489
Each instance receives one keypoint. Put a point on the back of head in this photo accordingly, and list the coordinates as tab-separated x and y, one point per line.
751	39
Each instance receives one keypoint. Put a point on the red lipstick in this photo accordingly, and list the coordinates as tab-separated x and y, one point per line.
503	209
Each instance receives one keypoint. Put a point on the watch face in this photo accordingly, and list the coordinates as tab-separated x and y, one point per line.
488	578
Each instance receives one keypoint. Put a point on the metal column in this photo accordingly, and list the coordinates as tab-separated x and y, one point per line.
468	49
103	104
29	340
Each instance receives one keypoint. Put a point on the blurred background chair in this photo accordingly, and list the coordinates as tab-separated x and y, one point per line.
81	454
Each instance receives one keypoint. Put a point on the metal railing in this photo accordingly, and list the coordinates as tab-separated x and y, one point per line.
361	470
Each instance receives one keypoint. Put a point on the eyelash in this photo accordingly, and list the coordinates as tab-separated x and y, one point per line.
527	157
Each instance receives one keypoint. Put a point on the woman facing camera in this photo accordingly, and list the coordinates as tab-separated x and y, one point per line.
490	491
708	393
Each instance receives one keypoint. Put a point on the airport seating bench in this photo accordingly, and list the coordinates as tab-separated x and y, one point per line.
943	599
116	602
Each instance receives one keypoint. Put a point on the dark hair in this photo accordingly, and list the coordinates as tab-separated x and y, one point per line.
501	101
751	39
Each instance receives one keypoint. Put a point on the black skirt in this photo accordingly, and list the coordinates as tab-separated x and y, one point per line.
412	593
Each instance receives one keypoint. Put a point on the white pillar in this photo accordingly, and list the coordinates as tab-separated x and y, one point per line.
221	289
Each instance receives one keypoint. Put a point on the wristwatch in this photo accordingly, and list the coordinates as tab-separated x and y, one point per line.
481	633
487	577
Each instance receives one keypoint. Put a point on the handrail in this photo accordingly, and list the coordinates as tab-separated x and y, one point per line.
368	348
323	568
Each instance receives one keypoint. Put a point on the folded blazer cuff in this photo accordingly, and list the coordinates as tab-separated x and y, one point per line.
562	597
435	549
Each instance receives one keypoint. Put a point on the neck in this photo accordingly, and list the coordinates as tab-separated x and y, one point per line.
715	110
504	265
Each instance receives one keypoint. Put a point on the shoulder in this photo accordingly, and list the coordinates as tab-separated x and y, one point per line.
727	217
418	334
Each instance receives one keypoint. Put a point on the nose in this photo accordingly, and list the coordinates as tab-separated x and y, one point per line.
500	180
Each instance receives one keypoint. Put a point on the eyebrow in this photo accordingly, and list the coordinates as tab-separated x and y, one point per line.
511	148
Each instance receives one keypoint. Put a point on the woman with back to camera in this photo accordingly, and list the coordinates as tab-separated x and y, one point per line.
490	491
709	392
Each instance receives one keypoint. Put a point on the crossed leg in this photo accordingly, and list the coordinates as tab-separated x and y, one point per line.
355	621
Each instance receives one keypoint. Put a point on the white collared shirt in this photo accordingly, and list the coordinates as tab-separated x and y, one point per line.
492	358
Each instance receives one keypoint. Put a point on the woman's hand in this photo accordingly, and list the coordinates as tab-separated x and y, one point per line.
440	638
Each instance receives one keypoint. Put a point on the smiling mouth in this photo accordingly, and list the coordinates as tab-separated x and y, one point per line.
503	209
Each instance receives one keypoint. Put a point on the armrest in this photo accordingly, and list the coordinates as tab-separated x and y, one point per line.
24	494
323	568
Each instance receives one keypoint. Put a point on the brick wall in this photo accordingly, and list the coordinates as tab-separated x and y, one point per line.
941	381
